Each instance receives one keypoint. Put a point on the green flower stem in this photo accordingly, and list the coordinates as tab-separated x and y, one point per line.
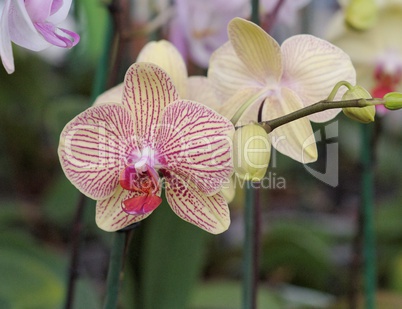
255	11
271	125
246	105
336	88
251	215
252	238
368	216
115	274
311	109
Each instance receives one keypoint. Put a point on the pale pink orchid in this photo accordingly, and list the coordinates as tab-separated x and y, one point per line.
199	27
118	153
32	24
253	68
287	14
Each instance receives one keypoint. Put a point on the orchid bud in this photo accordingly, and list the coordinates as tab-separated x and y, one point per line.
393	100
362	114
251	152
361	14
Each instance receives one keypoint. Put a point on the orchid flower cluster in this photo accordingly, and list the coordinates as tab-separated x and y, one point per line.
162	130
32	24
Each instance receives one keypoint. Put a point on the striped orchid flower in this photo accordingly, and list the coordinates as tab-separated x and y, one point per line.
32	25
121	154
253	67
195	88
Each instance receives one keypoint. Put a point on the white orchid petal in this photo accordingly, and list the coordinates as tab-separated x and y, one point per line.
228	74
231	106
256	49
22	29
210	213
94	146
147	91
165	55
295	139
312	67
6	51
62	13
38	10
194	142
110	216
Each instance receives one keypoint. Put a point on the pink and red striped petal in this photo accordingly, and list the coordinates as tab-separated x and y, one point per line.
195	142
94	148
210	213
147	91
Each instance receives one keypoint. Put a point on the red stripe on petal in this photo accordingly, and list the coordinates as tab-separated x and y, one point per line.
94	147
210	213
147	91
195	142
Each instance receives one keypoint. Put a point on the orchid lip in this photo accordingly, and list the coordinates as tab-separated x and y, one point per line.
142	204
144	180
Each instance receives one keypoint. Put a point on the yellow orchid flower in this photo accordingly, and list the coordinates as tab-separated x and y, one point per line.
252	67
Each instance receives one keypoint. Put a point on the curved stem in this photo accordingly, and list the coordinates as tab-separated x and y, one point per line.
336	88
246	105
271	125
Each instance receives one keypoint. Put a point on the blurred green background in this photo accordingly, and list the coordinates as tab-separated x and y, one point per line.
308	257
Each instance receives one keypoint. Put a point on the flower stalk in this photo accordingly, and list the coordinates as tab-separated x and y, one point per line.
115	274
271	125
252	219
